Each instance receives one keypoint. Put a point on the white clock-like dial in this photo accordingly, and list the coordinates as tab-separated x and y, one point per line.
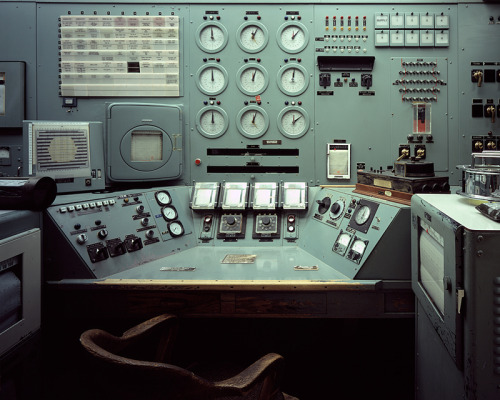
293	79
212	122
211	37
293	122
252	79
252	37
292	37
252	122
212	79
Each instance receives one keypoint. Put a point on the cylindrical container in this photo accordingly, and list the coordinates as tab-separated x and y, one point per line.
29	193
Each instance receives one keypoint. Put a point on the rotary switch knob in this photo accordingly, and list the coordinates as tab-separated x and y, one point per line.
81	238
230	220
266	220
103	233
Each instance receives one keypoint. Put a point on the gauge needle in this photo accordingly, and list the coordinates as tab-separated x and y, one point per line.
295	120
253	75
293	75
213	121
213	75
254	33
253	119
212	33
294	34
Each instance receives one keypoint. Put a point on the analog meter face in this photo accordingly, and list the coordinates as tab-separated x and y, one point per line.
163	198
212	122
211	37
211	79
293	79
293	122
359	246
169	213
292	37
344	239
252	79
175	228
362	215
252	122
252	37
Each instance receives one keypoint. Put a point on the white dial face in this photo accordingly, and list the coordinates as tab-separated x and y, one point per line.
344	239
212	80
293	123
253	38
293	80
253	123
252	80
212	123
212	38
293	38
359	246
362	215
169	213
163	198
176	228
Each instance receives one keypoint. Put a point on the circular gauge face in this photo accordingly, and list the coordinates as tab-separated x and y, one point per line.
337	209
163	198
293	79
252	122
175	228
212	122
292	37
211	79
344	239
252	79
362	215
211	37
358	246
293	122
252	37
169	213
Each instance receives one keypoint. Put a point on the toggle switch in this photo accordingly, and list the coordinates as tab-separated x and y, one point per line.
477	76
490	111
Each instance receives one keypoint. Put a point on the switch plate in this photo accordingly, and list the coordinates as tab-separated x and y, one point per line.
427	38
442	38
412	38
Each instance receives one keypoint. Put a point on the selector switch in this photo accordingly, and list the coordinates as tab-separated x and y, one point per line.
103	233
133	243
140	209
81	238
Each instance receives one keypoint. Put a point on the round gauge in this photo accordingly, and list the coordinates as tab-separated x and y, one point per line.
252	122
163	198
175	228
252	37
293	79
358	246
337	209
252	79
293	122
212	122
292	37
169	213
362	215
211	79
344	239
211	37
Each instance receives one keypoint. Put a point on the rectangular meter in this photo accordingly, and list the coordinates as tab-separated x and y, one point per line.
234	195
264	195
205	196
294	195
338	165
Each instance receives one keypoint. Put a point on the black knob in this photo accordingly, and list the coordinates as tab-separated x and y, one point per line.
102	233
266	220
324	205
78	226
335	208
230	220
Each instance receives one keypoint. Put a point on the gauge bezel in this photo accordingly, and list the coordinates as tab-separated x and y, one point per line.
299	110
252	66
206	25
285	68
161	203
364	217
244	26
178	223
299	26
248	109
169	207
205	67
199	125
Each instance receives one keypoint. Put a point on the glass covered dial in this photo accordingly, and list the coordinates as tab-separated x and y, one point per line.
212	122
211	79
252	79
252	122
292	37
211	37
252	37
293	79
293	122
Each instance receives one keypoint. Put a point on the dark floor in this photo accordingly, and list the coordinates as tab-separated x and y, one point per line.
325	359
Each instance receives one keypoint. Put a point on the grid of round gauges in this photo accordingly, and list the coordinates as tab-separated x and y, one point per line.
292	37
211	37
211	79
212	122
252	37
252	79
252	122
293	79
293	122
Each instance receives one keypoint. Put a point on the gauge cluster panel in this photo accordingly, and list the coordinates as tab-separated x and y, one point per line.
359	235
112	233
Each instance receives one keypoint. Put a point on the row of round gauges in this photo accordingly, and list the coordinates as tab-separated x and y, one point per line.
169	213
252	37
252	79
252	122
